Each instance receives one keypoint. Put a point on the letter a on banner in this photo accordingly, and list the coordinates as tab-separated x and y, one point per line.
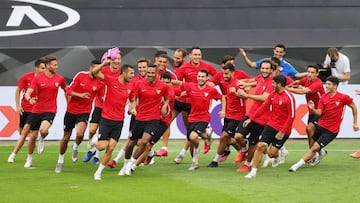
19	12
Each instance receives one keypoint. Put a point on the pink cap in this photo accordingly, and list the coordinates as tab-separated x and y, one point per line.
112	53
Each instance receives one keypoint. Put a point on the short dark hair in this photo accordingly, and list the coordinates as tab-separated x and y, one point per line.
229	66
276	60
125	68
49	58
163	56
38	62
140	60
204	71
280	46
314	67
272	64
334	80
227	58
152	66
195	47
159	52
165	75
183	51
280	79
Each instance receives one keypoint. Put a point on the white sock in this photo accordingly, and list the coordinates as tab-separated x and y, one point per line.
253	170
247	163
151	153
119	155
183	152
13	154
132	160
299	163
75	146
217	157
100	169
92	150
97	154
164	148
195	154
61	158
126	161
267	156
29	157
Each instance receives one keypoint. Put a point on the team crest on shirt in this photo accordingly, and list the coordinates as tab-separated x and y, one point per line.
280	102
94	88
158	91
206	94
337	103
56	84
128	91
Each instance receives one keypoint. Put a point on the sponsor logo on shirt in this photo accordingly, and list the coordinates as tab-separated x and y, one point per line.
82	84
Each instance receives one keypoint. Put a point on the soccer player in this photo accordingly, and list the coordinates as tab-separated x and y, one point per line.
24	108
164	127
234	110
278	128
313	89
179	58
82	91
142	65
263	88
152	96
330	110
188	73
219	80
113	112
46	86
200	95
111	70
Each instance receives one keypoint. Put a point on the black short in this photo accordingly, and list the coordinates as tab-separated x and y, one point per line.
252	131
268	136
110	129
158	133
25	118
230	126
182	106
323	137
141	127
198	127
132	120
36	119
313	119
96	115
70	120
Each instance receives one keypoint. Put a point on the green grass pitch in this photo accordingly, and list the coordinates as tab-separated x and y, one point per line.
335	179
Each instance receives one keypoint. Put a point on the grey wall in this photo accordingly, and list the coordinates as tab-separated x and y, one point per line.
183	23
